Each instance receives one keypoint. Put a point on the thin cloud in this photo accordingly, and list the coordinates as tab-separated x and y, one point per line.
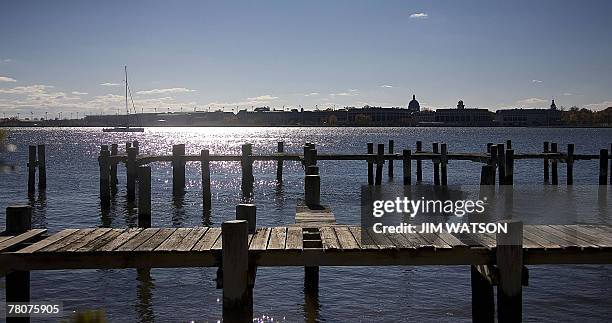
28	90
567	94
162	91
598	106
419	15
79	93
263	98
109	84
349	92
5	60
532	102
387	86
7	79
536	81
312	94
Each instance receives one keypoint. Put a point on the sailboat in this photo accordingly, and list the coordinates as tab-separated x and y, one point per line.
127	127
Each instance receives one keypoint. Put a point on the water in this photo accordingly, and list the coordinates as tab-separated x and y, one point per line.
427	293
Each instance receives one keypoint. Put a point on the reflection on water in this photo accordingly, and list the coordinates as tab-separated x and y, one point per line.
369	294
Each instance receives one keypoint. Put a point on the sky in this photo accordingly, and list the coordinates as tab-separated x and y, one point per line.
68	56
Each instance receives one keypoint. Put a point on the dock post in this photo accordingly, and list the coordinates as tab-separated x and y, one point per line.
144	196
501	160
137	146
380	161
509	257
370	163
18	220
248	213
103	162
483	300
42	168
508	144
280	148
419	163
487	175
237	301
31	170
178	169
436	163
391	151
489	144
493	161
247	172
113	169
509	167
206	190
312	186
546	171
127	146
443	164
603	166
570	164
407	164
306	158
555	162
131	173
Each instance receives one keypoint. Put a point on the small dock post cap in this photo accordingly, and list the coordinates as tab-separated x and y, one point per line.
234	222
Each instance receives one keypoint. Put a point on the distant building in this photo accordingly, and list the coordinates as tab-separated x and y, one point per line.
414	105
529	117
464	117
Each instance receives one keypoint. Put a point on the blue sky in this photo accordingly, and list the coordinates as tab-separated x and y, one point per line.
67	55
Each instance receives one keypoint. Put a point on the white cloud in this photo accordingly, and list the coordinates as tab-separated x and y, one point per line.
567	94
29	89
387	86
79	93
536	81
349	92
7	79
419	15
532	102
5	60
263	98
598	106
254	101
109	84
312	94
169	90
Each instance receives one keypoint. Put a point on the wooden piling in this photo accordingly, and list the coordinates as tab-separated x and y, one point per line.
103	162
483	301
391	152
17	288
489	144
312	190
603	166
509	167
487	175
280	148
554	164
370	164
380	161
144	196
501	161
546	171
407	165
137	146
436	163
248	213
237	300
31	170
42	168
443	164
131	173
113	169
206	190
570	164
178	169
247	171
509	258
508	144
306	160
419	163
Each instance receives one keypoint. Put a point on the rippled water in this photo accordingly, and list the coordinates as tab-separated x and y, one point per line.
428	293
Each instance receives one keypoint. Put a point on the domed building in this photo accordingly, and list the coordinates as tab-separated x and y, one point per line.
414	105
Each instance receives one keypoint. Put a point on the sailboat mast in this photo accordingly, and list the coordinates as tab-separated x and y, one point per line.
127	110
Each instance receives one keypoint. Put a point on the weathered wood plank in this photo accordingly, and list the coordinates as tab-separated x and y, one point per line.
93	245
401	241
192	239
451	240
381	241
346	238
2	238
50	240
434	240
357	233
137	240
569	240
329	239
120	240
580	234
260	239
24	237
278	237
174	240
67	241
530	235
155	240
75	245
208	240
294	239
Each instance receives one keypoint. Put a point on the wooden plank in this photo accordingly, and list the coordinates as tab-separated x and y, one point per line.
2	238
192	239
120	240
329	239
401	241
155	240
569	239
346	238
137	240
219	243
451	240
434	240
417	240
75	245
50	240
294	239
174	240
579	234
114	233
604	238
24	237
278	237
67	241
357	233
208	240
260	239
483	240
531	233
543	232
381	241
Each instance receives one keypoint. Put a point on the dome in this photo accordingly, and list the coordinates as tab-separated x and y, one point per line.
414	104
